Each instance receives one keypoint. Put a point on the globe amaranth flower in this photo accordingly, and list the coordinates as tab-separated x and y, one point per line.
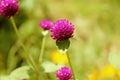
46	24
64	73
62	30
8	8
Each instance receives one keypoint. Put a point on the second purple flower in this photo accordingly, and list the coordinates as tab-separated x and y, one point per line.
46	24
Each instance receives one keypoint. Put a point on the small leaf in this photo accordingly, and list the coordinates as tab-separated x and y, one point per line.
50	67
20	73
114	59
45	32
63	45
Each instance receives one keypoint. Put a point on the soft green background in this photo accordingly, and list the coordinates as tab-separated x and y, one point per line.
97	33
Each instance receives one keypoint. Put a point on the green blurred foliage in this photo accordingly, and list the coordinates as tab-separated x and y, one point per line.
97	33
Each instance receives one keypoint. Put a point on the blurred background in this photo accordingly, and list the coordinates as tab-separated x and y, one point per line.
97	32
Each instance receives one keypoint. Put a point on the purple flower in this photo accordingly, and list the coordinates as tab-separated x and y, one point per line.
46	24
64	73
62	30
8	8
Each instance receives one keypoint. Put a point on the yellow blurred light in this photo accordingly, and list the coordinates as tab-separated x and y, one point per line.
93	76
115	78
118	73
108	71
57	57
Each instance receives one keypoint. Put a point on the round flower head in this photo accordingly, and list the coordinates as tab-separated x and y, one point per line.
62	30
64	73
8	8
46	24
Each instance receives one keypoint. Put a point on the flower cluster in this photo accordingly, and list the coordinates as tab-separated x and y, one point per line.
60	30
8	8
64	73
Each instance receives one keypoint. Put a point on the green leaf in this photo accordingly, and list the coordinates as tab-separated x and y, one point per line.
114	59
63	45
20	73
50	67
13	57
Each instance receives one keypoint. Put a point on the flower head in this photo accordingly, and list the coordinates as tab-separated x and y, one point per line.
8	8
46	24
57	57
64	73
62	30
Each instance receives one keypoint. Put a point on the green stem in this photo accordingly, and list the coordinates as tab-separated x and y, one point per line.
71	66
42	49
27	56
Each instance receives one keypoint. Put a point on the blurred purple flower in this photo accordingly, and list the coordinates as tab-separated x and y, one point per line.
46	24
8	8
62	30
64	73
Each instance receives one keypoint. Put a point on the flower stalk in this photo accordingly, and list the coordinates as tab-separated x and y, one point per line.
71	65
42	47
27	56
45	25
